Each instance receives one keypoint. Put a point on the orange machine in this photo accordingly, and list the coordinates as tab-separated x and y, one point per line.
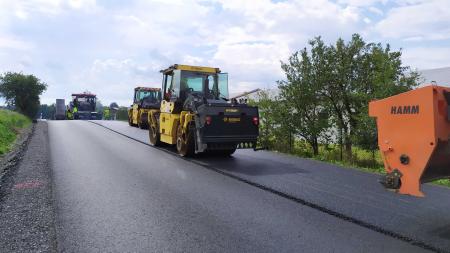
414	137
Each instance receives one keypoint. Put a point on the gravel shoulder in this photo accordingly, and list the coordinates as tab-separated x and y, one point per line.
26	202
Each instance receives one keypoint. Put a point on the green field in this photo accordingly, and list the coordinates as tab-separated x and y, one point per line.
11	123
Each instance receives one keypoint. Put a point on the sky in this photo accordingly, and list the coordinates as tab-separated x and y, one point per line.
108	47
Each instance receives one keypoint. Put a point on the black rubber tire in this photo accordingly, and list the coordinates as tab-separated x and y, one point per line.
228	152
142	124
129	121
185	144
139	121
154	137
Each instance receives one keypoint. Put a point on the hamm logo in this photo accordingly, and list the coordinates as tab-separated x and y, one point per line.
405	109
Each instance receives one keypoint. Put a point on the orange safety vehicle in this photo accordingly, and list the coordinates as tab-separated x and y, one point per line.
414	137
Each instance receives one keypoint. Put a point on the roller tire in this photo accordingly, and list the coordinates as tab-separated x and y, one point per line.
154	137
142	124
228	152
185	144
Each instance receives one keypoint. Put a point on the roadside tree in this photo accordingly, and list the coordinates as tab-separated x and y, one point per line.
300	93
22	92
347	76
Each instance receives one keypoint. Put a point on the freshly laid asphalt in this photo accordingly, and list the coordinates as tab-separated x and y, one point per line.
115	194
348	194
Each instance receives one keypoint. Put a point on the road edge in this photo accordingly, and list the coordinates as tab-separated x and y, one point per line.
27	207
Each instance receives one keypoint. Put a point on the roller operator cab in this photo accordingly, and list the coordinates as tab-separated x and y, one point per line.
197	116
145	99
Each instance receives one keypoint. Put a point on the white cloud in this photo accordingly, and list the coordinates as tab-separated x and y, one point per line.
11	42
21	14
257	64
427	57
24	9
375	10
193	60
361	2
113	80
110	47
251	48
268	12
82	4
417	20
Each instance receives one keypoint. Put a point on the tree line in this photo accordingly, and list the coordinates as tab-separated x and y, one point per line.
325	94
21	93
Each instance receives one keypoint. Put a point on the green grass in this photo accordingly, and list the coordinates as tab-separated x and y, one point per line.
10	125
362	159
443	182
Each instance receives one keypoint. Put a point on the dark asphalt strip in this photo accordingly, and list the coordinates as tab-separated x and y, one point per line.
341	216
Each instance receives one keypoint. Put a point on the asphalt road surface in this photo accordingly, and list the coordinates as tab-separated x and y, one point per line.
116	194
352	195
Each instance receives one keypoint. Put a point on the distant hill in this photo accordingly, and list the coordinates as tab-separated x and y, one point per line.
441	76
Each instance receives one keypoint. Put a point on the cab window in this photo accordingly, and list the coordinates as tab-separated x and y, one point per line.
136	99
167	87
223	85
192	81
175	86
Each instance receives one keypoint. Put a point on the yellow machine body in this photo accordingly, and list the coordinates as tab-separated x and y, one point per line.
168	118
169	122
139	111
194	113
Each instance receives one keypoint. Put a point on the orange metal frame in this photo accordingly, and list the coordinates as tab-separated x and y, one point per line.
413	136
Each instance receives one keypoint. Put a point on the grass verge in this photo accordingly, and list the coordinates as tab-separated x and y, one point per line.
362	159
11	123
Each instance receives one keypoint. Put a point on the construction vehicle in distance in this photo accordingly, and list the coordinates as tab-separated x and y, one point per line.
145	100
82	106
60	109
414	137
197	116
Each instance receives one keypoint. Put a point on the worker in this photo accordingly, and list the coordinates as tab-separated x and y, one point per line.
69	114
75	112
106	115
